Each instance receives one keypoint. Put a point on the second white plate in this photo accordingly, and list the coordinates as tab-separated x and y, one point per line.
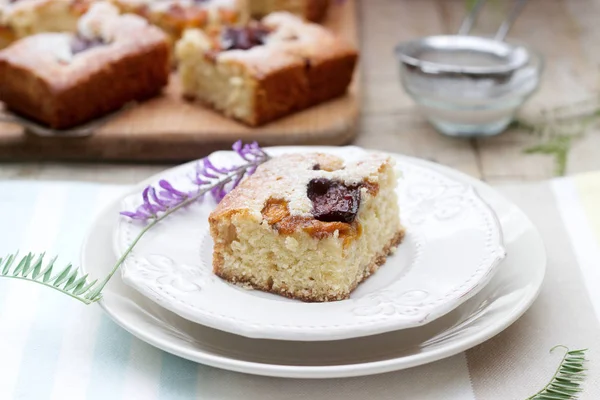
510	292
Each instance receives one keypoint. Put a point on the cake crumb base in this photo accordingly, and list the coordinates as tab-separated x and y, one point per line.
369	269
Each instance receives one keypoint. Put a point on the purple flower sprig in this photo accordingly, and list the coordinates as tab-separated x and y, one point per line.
218	181
155	202
158	203
207	173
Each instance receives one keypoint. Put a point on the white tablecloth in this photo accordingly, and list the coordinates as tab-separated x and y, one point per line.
52	347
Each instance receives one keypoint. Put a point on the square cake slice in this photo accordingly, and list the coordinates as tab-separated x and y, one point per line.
21	18
265	70
65	79
175	16
308	226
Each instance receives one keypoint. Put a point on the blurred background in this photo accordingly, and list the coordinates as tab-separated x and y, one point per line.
554	134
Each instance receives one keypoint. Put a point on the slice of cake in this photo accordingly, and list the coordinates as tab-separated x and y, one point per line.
21	18
175	16
64	79
308	226
312	10
264	70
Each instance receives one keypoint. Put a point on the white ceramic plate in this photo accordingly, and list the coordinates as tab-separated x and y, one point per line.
511	291
452	248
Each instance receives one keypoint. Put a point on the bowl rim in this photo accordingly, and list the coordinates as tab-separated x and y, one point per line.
521	55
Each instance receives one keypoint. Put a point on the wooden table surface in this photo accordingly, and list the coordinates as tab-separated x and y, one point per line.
566	32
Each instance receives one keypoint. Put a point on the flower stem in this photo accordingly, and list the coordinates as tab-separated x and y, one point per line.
95	295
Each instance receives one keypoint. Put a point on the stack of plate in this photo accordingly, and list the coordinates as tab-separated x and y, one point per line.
470	265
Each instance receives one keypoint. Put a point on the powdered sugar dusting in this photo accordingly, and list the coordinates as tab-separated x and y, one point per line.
162	5
286	178
100	21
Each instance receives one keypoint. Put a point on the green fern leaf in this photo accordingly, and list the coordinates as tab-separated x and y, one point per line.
31	268
566	382
70	279
76	284
558	147
28	267
62	276
85	288
38	266
47	272
8	263
21	265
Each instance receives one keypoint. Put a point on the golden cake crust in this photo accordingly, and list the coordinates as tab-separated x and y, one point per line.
312	10
7	36
282	84
329	60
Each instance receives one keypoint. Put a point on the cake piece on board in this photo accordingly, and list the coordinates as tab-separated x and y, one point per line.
175	16
265	70
65	79
21	18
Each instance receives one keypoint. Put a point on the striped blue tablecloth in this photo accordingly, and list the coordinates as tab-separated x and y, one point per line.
52	347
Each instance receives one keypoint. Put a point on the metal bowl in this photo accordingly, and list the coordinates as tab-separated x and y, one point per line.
468	85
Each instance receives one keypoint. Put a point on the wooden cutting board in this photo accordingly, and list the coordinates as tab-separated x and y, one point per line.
170	129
